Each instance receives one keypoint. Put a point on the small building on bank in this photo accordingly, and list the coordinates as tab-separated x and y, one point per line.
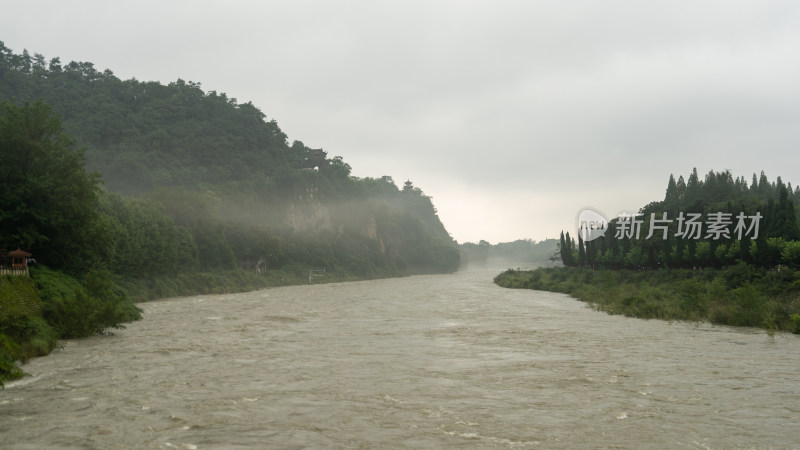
19	258
16	263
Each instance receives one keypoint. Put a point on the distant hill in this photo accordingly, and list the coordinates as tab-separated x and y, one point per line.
504	255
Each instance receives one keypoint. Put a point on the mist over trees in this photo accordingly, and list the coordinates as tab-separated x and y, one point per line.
178	179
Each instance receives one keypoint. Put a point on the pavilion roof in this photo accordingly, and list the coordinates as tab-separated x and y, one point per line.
19	252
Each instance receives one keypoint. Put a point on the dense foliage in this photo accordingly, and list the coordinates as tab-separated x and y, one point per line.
49	202
81	308
144	134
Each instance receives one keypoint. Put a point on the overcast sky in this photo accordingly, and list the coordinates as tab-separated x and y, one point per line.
512	115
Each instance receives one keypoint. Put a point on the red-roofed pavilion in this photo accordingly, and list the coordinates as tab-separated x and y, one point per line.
19	258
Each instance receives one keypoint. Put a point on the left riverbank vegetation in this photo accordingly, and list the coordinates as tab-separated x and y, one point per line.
739	279
126	191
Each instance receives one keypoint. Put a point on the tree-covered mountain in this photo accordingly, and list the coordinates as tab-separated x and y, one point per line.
141	135
195	181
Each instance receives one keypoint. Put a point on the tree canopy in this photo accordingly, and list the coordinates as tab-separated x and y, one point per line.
49	201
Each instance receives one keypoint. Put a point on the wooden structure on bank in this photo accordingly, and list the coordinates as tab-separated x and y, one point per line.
16	263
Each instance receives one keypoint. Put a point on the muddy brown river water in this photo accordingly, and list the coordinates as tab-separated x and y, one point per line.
448	361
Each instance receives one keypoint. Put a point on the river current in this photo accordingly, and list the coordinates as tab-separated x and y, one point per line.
446	361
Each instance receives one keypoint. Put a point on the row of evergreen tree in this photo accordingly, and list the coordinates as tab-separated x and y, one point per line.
769	237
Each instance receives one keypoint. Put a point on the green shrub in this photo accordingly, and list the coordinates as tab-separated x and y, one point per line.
76	310
738	275
9	370
795	323
21	338
746	307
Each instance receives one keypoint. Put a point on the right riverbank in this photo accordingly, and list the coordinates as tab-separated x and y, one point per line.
740	295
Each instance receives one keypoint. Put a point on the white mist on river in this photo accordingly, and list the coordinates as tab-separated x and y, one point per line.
448	361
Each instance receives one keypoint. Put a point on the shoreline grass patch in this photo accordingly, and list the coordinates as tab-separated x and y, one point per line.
738	295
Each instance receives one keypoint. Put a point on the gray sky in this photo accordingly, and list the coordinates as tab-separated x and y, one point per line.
512	115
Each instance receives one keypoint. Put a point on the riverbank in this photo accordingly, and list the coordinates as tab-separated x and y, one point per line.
232	281
23	331
740	295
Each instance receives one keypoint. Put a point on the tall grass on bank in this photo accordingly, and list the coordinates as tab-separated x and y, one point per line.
740	295
78	309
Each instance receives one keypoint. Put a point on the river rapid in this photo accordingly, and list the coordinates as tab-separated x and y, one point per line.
446	361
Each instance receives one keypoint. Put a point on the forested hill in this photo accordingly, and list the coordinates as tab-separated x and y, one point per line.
141	135
195	180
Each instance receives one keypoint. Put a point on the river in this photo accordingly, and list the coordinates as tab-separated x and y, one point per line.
448	361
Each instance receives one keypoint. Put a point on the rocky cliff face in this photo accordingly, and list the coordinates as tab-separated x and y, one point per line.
339	218
343	218
308	216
